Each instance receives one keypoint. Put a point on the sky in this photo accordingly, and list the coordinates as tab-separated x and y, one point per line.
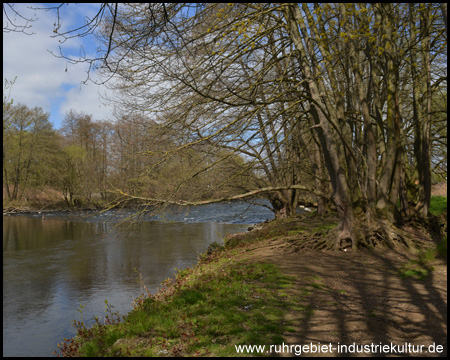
42	79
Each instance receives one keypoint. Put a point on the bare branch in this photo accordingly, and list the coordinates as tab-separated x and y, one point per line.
249	194
11	25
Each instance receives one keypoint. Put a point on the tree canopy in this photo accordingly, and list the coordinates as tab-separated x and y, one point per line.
343	105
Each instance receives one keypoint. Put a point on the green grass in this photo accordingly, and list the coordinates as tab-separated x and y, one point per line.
420	267
441	248
324	227
438	204
205	310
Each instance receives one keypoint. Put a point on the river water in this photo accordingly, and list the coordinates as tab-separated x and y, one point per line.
54	264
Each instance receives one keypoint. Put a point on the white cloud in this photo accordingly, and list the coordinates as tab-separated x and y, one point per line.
42	79
86	99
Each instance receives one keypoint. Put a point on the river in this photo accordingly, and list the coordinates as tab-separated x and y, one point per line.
55	264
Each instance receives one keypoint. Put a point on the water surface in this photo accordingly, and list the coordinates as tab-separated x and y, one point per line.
53	264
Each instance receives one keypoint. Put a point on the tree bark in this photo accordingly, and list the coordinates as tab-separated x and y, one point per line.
388	181
336	169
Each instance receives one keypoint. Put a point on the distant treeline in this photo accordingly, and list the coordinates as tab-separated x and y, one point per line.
89	159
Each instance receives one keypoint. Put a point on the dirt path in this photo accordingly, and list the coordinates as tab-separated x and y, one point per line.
360	298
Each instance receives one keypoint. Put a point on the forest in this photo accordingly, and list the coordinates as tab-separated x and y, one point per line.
338	106
88	161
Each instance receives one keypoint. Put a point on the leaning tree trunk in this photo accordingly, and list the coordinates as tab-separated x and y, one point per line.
327	137
422	149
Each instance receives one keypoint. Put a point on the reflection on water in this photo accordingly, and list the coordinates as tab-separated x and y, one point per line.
52	264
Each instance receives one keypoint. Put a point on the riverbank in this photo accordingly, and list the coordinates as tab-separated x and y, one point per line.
51	200
262	289
11	208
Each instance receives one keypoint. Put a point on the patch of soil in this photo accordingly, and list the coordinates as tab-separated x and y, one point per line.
439	189
359	298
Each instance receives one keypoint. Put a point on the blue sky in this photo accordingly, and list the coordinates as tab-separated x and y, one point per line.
42	79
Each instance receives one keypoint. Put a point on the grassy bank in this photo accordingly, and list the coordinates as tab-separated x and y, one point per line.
438	205
49	199
205	310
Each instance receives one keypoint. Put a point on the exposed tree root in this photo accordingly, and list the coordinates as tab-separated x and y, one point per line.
380	234
317	233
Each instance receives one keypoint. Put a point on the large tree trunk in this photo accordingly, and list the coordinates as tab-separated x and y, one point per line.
283	203
319	173
425	151
365	208
389	183
337	171
421	82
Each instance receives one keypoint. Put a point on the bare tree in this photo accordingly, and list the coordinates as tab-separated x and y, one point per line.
257	78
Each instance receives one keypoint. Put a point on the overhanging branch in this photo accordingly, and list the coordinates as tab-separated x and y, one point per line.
153	201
